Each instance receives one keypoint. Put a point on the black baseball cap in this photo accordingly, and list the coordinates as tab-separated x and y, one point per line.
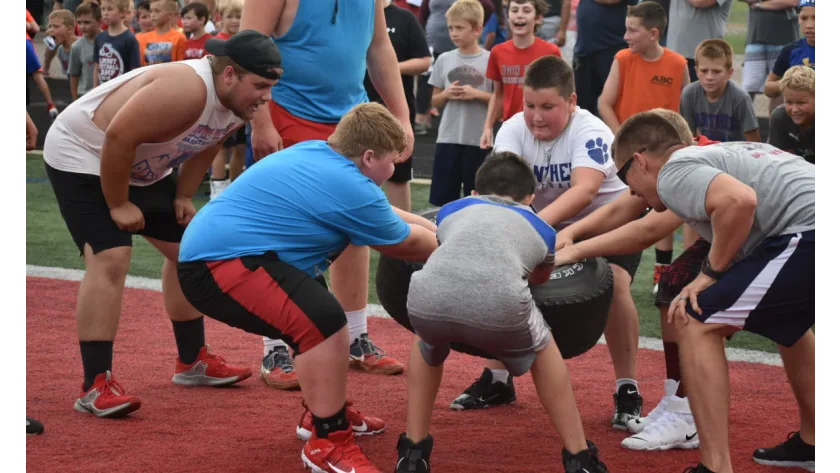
252	50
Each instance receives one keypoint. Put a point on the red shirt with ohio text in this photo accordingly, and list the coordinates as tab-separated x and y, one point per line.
195	47
507	65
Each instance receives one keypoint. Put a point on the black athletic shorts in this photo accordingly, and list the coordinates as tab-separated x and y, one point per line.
403	172
86	213
629	263
265	296
237	138
454	166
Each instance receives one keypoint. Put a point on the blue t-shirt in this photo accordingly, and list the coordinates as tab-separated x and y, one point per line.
797	53
600	26
493	26
115	55
305	203
324	59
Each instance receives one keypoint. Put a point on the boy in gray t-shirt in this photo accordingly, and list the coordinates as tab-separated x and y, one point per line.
715	106
755	204
474	290
462	91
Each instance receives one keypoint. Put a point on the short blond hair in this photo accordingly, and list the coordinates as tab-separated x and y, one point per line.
368	126
122	5
171	5
66	16
678	122
470	11
799	78
228	6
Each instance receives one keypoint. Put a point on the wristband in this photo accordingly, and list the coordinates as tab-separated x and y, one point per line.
710	272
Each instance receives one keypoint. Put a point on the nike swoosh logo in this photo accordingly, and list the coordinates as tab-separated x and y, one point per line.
483	399
338	470
631	392
689	437
361	428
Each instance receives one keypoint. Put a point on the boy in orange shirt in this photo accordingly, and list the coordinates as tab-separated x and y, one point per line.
508	61
164	44
644	77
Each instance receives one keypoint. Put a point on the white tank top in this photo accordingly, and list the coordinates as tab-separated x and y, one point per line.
74	142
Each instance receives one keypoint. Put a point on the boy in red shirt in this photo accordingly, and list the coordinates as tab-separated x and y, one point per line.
195	17
509	60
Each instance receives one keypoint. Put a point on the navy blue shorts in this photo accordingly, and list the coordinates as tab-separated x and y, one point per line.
455	165
769	293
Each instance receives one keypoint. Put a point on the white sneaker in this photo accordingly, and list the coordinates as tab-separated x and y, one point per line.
675	428
216	187
637	425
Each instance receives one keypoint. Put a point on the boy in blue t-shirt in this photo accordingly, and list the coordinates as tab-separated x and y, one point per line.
254	257
801	52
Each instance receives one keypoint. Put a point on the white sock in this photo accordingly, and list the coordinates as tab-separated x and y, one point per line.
622	381
500	376
269	344
356	323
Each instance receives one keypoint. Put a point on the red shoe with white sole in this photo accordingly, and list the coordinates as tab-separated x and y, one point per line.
106	398
208	370
337	453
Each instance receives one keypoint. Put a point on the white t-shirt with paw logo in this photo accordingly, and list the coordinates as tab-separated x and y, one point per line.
585	143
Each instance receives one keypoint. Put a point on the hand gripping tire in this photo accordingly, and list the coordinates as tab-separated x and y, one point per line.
575	301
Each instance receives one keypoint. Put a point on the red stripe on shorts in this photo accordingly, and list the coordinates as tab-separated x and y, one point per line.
260	295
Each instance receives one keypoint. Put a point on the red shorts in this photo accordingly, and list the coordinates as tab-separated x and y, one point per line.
266	296
294	130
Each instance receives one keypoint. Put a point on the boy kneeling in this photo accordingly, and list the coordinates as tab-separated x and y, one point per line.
464	295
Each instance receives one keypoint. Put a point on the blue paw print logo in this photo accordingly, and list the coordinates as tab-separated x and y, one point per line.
598	150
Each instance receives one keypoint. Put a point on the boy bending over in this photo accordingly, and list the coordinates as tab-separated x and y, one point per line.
489	307
254	258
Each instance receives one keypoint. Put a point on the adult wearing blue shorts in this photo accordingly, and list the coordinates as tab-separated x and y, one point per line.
756	205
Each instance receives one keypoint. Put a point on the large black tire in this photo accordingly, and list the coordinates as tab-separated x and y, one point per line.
575	301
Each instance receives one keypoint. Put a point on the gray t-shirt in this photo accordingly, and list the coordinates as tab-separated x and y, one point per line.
437	31
462	121
784	184
63	57
772	27
81	64
479	274
724	120
689	26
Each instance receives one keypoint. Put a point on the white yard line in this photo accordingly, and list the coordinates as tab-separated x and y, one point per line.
376	310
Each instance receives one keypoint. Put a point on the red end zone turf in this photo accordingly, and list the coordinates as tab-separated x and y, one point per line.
250	428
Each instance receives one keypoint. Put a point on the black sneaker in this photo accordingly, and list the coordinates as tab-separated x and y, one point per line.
700	468
485	393
414	457
33	427
628	406
793	453
585	461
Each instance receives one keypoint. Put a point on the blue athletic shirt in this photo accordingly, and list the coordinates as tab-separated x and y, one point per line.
797	53
306	203
324	59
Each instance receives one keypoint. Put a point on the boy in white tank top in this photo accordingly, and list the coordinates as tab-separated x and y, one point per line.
110	158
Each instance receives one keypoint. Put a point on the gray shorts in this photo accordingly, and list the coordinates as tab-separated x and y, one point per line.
515	347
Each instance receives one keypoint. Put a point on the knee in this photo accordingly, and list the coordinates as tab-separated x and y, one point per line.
621	279
110	265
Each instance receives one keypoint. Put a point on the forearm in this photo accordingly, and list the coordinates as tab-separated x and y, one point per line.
115	169
192	171
74	88
776	4
417	247
702	4
619	212
96	75
262	117
608	116
483	96
495	108
631	238
773	87
731	225
569	204
414	67
385	76
410	218
439	100
565	15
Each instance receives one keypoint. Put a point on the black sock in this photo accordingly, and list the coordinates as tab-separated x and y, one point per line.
189	337
664	257
96	358
324	426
